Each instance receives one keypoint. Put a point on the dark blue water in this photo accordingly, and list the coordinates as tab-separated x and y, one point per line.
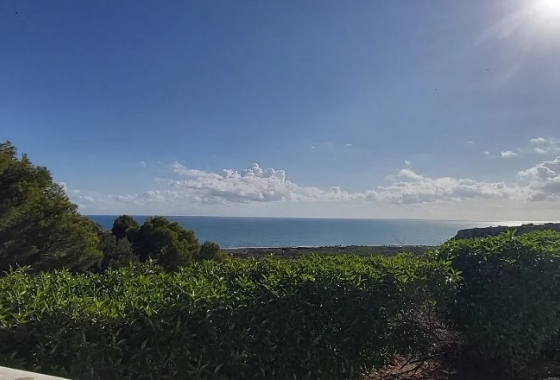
286	232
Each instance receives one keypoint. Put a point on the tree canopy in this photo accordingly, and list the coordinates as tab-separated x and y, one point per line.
39	226
123	224
165	241
209	251
117	253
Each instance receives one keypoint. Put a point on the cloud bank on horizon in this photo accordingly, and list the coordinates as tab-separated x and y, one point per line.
189	190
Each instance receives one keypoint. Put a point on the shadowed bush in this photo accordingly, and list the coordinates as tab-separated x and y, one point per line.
508	300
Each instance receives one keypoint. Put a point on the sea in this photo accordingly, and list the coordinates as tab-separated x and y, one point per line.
234	232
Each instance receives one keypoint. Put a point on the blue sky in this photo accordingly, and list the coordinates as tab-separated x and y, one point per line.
405	109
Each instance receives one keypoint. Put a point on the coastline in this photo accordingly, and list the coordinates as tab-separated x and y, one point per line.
249	252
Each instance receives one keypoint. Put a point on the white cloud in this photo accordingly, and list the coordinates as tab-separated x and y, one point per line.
486	153
348	145
508	154
538	145
543	145
537	141
419	189
142	164
257	191
544	180
470	142
256	185
253	184
407	173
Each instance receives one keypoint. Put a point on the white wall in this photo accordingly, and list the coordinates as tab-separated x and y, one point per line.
14	374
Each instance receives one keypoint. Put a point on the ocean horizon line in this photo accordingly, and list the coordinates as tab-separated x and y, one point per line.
511	222
244	232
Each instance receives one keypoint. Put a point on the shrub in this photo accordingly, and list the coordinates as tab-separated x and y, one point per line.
310	318
508	300
210	251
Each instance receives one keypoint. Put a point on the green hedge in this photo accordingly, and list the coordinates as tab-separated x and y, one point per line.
508	301
311	318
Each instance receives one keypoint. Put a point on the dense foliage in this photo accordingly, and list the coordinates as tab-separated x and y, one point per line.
42	229
165	241
311	318
124	225
209	251
117	253
508	300
39	226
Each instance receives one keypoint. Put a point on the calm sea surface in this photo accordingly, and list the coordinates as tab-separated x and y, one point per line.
287	232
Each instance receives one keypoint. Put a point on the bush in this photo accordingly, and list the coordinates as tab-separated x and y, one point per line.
310	318
508	300
210	251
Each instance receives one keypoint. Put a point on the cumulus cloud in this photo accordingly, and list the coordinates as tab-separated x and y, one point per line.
264	185
187	188
253	184
408	162
508	154
407	173
348	145
544	180
419	189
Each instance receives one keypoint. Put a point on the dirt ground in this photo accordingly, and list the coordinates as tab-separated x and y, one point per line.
402	369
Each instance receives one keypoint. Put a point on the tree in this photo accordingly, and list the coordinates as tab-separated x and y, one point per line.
209	251
117	253
39	226
166	241
122	224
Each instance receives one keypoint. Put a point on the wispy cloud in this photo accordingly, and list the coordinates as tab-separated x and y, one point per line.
538	145
509	154
542	145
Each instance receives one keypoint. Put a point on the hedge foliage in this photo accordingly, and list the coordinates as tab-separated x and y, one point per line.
507	303
315	317
311	318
